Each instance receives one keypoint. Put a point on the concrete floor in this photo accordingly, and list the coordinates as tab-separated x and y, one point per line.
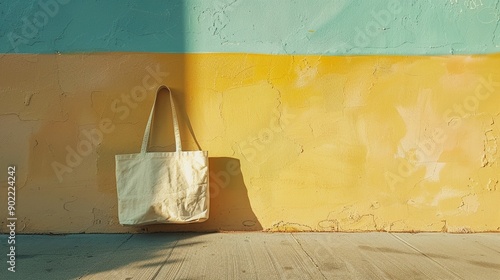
255	256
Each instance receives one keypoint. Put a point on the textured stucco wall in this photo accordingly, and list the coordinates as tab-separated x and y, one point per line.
257	26
297	141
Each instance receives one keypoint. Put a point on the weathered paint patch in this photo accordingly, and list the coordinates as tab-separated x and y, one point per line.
296	142
324	27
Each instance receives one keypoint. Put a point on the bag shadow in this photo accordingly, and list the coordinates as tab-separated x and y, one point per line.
230	208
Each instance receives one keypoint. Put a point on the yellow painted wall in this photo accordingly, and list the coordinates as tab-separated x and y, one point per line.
296	142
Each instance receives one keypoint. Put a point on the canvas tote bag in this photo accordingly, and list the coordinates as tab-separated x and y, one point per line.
162	187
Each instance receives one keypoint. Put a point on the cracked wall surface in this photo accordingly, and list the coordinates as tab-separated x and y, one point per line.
296	143
303	135
323	27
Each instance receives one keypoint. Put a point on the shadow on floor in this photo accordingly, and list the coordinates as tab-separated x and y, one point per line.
101	256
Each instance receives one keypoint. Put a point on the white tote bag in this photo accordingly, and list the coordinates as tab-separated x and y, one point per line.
162	187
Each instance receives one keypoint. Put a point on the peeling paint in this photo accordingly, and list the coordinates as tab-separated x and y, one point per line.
314	138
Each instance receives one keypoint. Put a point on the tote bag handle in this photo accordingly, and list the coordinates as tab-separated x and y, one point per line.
145	140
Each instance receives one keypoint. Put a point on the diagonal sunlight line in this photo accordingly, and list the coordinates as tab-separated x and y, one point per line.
165	261
425	255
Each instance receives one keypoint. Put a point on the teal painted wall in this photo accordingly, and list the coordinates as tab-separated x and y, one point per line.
329	27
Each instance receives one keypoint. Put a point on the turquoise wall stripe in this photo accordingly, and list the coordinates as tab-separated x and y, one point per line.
68	26
329	27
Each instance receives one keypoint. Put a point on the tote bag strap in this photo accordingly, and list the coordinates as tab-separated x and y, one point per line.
145	140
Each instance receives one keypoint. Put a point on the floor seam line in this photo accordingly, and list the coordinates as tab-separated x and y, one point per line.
307	254
111	253
425	255
165	261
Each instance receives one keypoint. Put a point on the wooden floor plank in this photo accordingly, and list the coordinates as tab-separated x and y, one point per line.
488	240
141	257
368	256
242	256
60	256
462	254
256	255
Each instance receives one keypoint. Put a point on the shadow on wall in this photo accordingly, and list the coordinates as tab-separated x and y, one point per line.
230	207
94	106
